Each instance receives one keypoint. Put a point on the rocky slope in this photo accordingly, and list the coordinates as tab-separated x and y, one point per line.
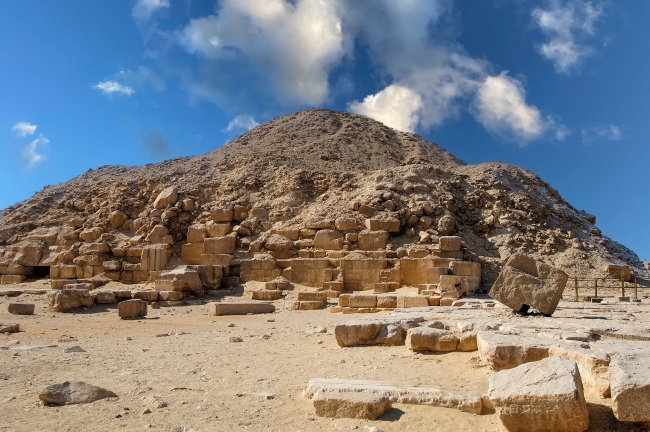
323	164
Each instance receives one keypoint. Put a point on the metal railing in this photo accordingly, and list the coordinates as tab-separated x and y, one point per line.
607	285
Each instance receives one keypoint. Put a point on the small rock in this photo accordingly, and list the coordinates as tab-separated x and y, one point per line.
235	339
74	393
146	411
231	325
75	349
317	330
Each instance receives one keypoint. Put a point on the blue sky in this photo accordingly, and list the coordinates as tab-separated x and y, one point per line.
558	87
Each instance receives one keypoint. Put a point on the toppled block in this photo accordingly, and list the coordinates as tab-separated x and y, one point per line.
63	300
630	388
240	308
431	339
20	308
525	283
74	393
182	278
546	395
132	309
350	405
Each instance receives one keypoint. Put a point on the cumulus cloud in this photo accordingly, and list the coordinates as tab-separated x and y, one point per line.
113	87
155	143
295	44
608	132
565	25
31	154
240	124
22	129
143	9
395	106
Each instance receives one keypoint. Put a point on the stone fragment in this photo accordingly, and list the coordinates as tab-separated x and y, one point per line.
430	339
74	393
117	218
9	328
350	405
20	308
525	283
66	299
450	243
167	197
546	395
240	308
181	278
132	309
446	225
630	387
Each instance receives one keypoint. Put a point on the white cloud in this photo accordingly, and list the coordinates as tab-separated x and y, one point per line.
501	107
30	152
295	45
22	129
609	132
241	123
564	26
111	87
395	106
143	9
139	77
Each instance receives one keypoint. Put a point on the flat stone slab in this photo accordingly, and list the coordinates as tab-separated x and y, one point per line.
74	393
543	396
20	308
431	339
630	386
240	308
337	404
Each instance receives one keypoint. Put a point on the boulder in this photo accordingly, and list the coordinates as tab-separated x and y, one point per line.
446	225
630	388
240	308
525	283
74	393
66	299
117	218
168	196
132	308
546	395
359	405
431	339
20	308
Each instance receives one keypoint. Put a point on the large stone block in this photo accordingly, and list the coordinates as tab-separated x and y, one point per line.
181	278
382	223
277	242
211	276
431	339
218	229
240	308
412	301
543	396
25	253
222	260
94	248
450	243
196	233
372	240
630	388
346	224
221	214
168	196
619	272
311	272
328	239
63	300
414	271
21	308
362	301
154	258
261	270
465	268
132	308
290	233
103	297
525	283
362	274
12	279
191	253
434	273
359	405
220	245
16	270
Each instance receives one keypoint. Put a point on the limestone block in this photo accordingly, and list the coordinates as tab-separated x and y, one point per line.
112	265
414	271
362	274
346	224
12	279
344	300
363	301
373	240
258	212
25	253
434	273
546	395
450	243
290	233
21	308
132	309
196	233
222	260
386	302
630	388
465	268
69	393
310	272
154	258
240	212
91	234
305	305
450	283
328	239
261	270
221	214
350	405
470	284
117	218
103	297
357	332
160	235
63	300
240	308
431	339
619	271
218	229
383	223
219	245
266	294
467	341
16	270
412	301
277	242
170	295
181	278
168	196
211	276
147	296
313	296
524	283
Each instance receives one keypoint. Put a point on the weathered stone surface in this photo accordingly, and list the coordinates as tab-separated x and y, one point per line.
12	279
346	224
132	308
196	233
373	240
147	296
181	278
66	299
9	328
117	218
170	295
383	223
221	214
619	271
465	268
524	283
412	301
266	295
450	243
20	308
328	239
546	395
219	245
630	387
240	308
74	393
357	332
167	197
277	242
103	297
431	339
305	305
312	296
350	405
362	301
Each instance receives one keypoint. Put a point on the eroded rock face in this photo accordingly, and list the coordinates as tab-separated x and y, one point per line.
525	282
66	299
630	387
74	393
543	396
